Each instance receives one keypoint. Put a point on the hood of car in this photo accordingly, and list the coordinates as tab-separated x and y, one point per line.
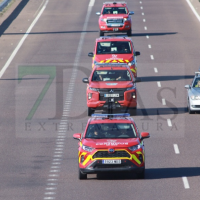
114	58
111	143
195	91
111	84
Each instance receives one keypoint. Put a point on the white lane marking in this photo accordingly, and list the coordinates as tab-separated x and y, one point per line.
169	122
147	36
152	58
155	70
51	188
49	193
22	40
140	2
54	171
141	7
163	102
49	197
145	28
144	20
149	46
193	9
142	13
185	182
176	149
159	84
52	179
53	175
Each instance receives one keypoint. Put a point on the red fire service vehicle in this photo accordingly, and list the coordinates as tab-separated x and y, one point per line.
111	86
115	17
115	50
111	143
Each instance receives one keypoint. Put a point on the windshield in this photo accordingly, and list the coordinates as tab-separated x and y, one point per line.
115	47
111	130
111	75
114	10
196	83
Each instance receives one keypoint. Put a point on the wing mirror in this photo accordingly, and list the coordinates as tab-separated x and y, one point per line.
145	135
90	54
187	86
98	13
131	13
137	53
77	136
85	80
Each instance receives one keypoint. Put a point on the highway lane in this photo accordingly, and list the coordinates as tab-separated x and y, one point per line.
30	158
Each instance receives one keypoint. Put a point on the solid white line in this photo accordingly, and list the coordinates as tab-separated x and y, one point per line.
22	40
169	122
91	3
163	102
152	58
159	84
155	70
185	182
149	46
176	149
193	9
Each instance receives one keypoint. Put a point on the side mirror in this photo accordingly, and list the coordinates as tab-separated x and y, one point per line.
137	80
131	13
137	53
85	80
77	136
90	54
145	135
98	13
187	86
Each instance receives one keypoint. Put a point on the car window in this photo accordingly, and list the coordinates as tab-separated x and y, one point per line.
195	83
114	10
115	47
111	75
111	130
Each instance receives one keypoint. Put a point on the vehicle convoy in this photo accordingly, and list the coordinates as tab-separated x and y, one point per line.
111	143
193	97
111	86
115	17
115	50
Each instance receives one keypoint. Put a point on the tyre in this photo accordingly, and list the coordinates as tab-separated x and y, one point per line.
81	175
90	111
189	110
101	33
129	32
141	175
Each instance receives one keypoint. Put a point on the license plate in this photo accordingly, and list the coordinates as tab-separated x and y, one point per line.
111	161
114	24
111	95
115	29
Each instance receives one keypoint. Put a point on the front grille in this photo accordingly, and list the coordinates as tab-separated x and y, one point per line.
196	106
115	21
119	91
116	154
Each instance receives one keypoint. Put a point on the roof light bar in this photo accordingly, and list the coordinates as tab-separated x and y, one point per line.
111	115
197	73
111	64
115	2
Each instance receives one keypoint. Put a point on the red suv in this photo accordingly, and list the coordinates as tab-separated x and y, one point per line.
111	143
111	86
115	50
115	17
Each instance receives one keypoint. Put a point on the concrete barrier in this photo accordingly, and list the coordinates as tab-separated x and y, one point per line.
3	4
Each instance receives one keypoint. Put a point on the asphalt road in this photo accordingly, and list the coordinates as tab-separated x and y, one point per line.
43	100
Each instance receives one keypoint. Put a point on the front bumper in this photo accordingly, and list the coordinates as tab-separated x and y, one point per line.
194	105
125	166
122	27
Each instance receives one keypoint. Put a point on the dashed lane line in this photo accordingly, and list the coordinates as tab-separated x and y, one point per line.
169	122
159	84
152	57
185	182
149	46
147	36
176	149
163	102
155	70
145	28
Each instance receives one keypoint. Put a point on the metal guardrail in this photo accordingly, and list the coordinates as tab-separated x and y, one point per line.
4	4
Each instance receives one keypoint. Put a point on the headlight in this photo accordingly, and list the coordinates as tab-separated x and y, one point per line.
195	97
103	19
94	89
86	148
136	147
130	88
131	63
125	19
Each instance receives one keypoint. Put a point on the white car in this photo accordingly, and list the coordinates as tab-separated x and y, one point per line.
194	94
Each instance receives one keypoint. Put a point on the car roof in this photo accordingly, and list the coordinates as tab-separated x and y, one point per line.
115	3
108	38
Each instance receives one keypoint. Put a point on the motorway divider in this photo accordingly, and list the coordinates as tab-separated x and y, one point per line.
3	4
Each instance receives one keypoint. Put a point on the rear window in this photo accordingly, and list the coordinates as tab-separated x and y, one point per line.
114	10
111	75
115	47
111	130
